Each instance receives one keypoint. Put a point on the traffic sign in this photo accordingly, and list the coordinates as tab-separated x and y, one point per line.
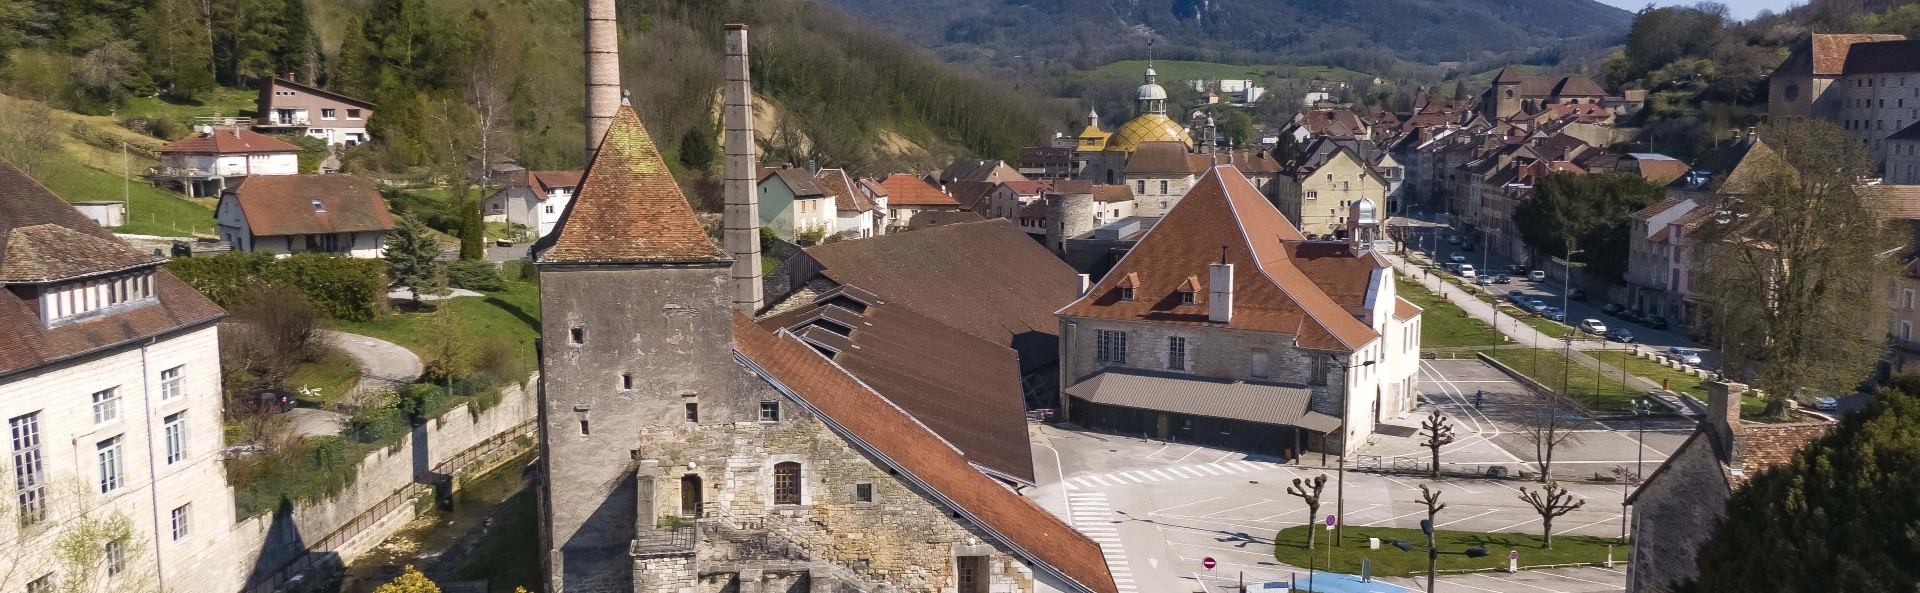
1330	521
1513	554
1208	562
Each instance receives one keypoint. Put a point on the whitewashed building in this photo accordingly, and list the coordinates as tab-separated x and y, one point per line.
207	163
535	199
110	391
334	214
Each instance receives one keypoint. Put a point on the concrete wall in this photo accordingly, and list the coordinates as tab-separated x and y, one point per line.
1903	161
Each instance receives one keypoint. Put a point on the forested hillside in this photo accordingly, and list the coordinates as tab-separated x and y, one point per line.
453	76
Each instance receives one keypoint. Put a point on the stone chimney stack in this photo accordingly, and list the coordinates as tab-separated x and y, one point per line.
742	217
1220	291
1723	419
603	72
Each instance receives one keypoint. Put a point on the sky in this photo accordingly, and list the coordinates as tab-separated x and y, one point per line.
1742	9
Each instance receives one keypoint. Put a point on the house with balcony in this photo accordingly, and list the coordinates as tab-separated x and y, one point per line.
207	163
333	214
288	107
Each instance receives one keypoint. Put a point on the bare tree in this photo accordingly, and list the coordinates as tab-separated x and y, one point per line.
1793	268
1544	423
1431	498
29	134
1309	492
1439	434
1551	501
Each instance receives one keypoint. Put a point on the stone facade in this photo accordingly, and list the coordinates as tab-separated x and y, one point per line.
1316	201
1215	352
1672	518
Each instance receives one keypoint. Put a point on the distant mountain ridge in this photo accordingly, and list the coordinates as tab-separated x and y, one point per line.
1090	32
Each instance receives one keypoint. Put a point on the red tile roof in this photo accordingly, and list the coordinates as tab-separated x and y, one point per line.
1271	293
847	194
1404	309
1830	50
628	208
867	419
1769	445
283	204
551	180
907	189
235	141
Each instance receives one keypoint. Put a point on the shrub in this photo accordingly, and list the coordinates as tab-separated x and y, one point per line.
269	336
477	275
495	358
339	287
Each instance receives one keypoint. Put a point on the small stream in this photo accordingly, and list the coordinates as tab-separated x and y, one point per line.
439	543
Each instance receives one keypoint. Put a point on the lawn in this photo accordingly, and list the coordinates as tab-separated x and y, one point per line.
1291	548
328	377
1679	382
150	211
221	101
1588	386
512	314
1445	324
1547	327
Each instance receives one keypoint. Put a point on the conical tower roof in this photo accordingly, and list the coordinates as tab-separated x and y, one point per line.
628	208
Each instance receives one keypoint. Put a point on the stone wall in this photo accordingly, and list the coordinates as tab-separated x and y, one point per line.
254	554
1211	352
1673	515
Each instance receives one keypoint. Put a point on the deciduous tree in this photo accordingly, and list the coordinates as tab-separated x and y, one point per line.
1589	212
1439	434
1551	501
1309	492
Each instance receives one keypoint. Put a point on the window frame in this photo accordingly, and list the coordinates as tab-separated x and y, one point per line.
109	462
788	482
770	411
174	431
29	468
106	410
180	522
1110	346
173	383
1178	353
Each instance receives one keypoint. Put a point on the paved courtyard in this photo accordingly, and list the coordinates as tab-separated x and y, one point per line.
1160	508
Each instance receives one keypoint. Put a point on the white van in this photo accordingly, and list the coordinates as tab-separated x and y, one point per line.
1466	271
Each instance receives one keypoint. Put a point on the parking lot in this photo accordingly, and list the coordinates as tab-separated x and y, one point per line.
1159	508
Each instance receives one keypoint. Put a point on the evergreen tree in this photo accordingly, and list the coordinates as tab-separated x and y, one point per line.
411	251
297	49
698	149
178	55
472	246
354	71
1840	517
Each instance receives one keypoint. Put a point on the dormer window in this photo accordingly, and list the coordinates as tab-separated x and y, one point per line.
1127	285
70	301
317	207
1187	290
1126	294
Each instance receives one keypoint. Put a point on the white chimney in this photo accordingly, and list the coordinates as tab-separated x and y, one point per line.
1220	292
1086	284
742	217
603	72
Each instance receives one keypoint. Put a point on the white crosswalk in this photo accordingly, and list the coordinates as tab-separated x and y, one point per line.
1092	517
1182	472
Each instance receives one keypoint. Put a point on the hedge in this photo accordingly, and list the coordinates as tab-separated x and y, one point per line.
340	287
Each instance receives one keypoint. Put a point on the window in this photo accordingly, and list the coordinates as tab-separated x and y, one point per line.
786	483
1126	293
176	436
693	412
1906	330
181	522
1110	346
29	477
1186	297
549	208
863	492
1907	300
1141	187
626	380
317	207
971	573
1313	195
579	335
44	584
1319	369
1176	353
172	384
106	405
1259	364
327	114
769	411
115	556
353	114
1163	187
107	455
585	429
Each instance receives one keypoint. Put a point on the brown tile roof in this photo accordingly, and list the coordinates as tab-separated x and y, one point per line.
551	180
1830	51
1165	158
283	204
1071	187
972	195
799	181
1577	85
48	252
234	141
1649	212
1342	274
1270	292
28	342
628	208
1404	309
1881	57
847	194
267	85
873	187
1118	192
1506	75
863	416
1034	211
1769	445
1028	187
907	189
927	220
988	278
964	388
987	170
1903	201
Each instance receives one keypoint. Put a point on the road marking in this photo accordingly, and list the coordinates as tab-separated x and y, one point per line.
1371	524
1104	534
1157	451
1164	474
1155	512
1482	574
1615	516
1204	469
1071	487
1189	454
1225	469
1555	574
1148	476
1473	517
1099	481
1224	457
1517	524
1262	501
1124	475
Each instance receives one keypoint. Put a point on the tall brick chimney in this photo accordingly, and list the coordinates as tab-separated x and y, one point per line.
603	72
1723	419
741	221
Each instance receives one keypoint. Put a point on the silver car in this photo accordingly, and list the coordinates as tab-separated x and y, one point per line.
1684	355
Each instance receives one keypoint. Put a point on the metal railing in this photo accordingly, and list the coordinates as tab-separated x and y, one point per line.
283	122
657	543
1904	343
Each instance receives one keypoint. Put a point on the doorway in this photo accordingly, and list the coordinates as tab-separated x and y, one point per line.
690	494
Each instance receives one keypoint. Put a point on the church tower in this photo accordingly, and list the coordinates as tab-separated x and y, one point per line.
1504	96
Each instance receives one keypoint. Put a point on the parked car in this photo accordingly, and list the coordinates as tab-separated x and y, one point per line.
1657	322
1612	309
1535	305
1577	294
1466	271
1621	335
1553	313
1515	295
1593	326
1453	239
1517	270
1537	276
1684	355
1501	279
1484	281
1633	315
1826	404
1456	257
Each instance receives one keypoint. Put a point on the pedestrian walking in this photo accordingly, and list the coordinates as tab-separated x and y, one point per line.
1479	395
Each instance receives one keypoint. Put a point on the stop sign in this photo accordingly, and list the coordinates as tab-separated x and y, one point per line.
1207	562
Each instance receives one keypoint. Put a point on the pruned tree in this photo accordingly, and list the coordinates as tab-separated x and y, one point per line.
1439	434
472	231
1309	492
1793	268
1542	423
1551	501
1431	498
411	254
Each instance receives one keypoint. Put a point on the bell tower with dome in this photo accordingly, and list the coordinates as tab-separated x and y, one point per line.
1150	124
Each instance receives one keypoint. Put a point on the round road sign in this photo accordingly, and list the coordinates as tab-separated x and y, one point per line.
1513	554
1329	520
1207	562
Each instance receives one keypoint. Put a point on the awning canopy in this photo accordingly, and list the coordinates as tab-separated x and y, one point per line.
1197	396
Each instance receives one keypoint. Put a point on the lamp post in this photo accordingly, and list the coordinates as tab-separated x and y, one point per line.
1340	488
1433	551
1641	409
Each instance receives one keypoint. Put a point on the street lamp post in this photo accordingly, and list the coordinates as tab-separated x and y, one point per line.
1340	488
1641	409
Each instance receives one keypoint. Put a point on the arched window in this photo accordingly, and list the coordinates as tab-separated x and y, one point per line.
786	483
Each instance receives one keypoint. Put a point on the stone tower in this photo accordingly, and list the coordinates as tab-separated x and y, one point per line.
636	321
1505	97
1068	215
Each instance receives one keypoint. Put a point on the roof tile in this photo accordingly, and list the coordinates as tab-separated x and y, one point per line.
628	207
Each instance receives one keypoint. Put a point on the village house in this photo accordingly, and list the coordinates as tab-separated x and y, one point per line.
1050	162
1676	507
793	204
1160	172
684	448
860	205
206	163
288	107
534	199
1323	183
333	214
908	195
1264	341
1014	196
1074	209
110	386
1868	84
982	170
